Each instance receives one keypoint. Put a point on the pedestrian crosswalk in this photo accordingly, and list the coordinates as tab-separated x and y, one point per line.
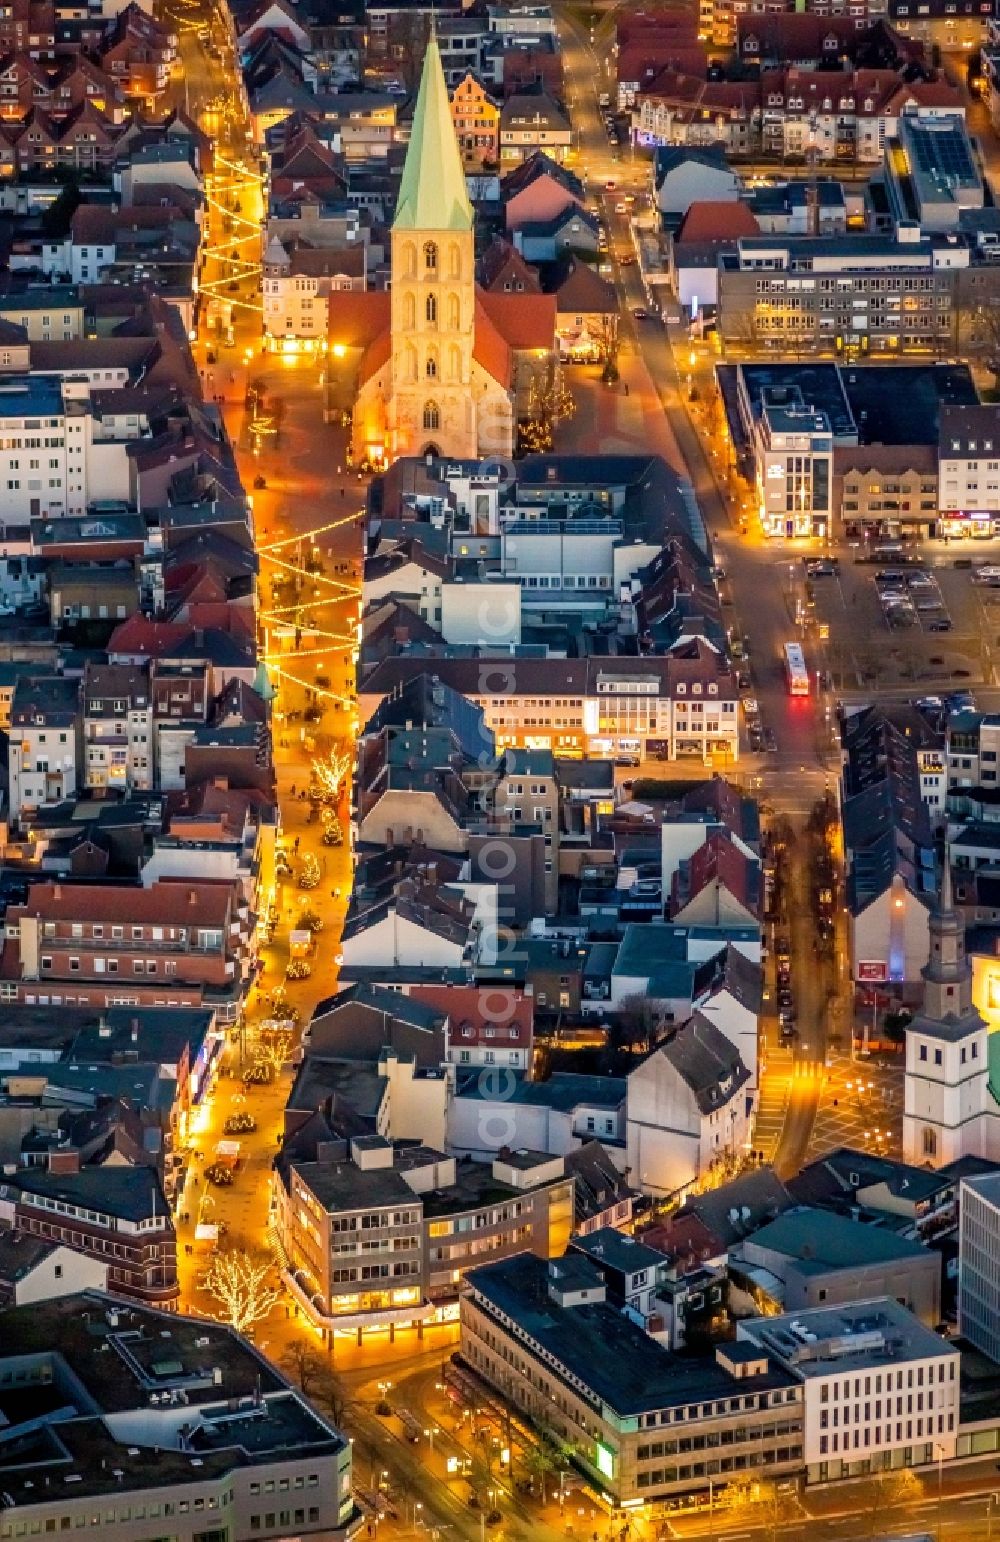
772	1102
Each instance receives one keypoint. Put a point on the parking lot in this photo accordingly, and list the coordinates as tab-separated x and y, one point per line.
942	620
911	597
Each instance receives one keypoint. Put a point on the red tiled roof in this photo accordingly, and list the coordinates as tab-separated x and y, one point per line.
718	859
491	350
180	903
522	320
683	1236
356	320
479	1007
152	638
717	220
647	57
377	354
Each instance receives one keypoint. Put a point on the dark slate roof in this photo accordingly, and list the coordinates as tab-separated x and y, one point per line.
130	1193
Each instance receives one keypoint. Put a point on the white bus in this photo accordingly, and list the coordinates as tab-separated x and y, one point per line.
795	670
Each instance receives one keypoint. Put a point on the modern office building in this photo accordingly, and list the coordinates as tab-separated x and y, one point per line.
645	1424
379	1236
145	1422
880	1391
979	1263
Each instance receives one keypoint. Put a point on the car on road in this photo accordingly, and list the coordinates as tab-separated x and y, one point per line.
627	261
783	950
770	742
756	739
621	208
786	999
751	706
609	187
941	625
639	314
788	1030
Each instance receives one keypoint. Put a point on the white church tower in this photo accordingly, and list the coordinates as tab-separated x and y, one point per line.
947	1101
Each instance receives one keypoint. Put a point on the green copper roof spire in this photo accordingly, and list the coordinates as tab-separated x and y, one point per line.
433	194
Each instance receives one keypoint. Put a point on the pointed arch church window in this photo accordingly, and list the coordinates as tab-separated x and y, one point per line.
431	308
455	261
431	367
455	362
411	363
430	257
454	313
432	415
409	311
409	260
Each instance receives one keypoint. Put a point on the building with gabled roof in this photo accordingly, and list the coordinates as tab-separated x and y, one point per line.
440	377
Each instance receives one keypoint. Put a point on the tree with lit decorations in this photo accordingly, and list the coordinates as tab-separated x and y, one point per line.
550	402
238	1281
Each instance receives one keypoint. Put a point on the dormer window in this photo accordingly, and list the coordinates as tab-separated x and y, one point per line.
696	688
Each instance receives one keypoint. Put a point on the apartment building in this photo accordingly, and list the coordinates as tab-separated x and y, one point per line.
476	117
969	471
174	943
973	758
646	1425
624	708
886	489
298	282
866	438
116	1215
486	1025
59	451
117	727
532	120
160	1421
380	1235
44	756
879	1390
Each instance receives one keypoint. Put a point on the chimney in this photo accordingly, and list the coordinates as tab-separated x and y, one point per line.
64	1161
57	891
192	896
220	783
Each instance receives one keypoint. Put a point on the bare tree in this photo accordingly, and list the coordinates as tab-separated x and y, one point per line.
238	1280
303	1364
982	335
609	344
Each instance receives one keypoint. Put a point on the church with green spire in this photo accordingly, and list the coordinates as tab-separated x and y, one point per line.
440	375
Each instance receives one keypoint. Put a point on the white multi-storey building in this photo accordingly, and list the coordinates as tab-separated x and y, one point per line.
58	453
44	744
880	1389
969	470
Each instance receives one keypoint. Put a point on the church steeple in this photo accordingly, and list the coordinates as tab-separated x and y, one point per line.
433	195
947	973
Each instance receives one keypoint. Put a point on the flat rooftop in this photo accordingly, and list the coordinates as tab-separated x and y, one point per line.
862	1335
597	1346
901	403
